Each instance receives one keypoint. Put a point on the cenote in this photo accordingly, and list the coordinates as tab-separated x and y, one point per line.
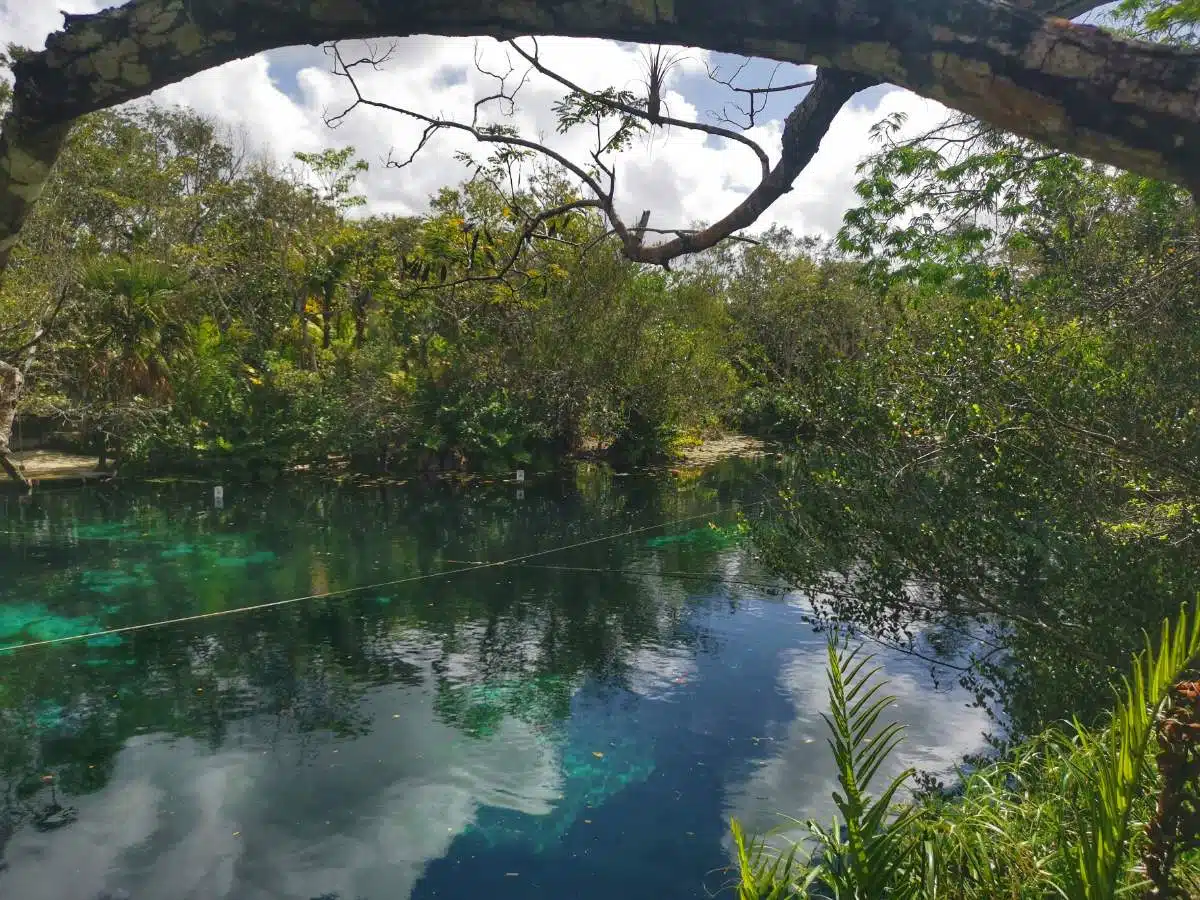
581	722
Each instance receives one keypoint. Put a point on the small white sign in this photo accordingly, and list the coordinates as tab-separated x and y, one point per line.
520	475
520	494
219	497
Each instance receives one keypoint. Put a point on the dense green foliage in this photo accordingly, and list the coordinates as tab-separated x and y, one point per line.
206	309
988	385
1062	816
1009	480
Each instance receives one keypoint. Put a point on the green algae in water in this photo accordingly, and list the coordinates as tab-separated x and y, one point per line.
179	550
34	622
230	562
53	628
105	640
478	709
15	619
49	715
40	624
709	538
108	581
590	782
111	531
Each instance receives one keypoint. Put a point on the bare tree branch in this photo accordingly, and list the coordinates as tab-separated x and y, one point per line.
483	134
757	96
642	113
803	131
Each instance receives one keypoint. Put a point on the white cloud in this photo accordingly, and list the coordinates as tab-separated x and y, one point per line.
27	23
800	777
656	672
288	819
279	101
242	96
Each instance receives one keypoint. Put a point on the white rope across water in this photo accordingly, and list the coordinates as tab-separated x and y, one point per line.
474	567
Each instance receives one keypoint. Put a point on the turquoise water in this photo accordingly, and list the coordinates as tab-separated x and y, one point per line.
579	724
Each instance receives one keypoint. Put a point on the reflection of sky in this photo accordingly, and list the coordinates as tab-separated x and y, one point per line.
631	794
941	726
295	820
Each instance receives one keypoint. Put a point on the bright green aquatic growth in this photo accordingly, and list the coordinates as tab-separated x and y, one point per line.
104	640
108	531
591	779
233	562
49	715
109	581
711	537
34	622
52	628
591	775
15	619
480	708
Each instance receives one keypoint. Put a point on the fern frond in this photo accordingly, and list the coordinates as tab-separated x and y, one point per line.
870	855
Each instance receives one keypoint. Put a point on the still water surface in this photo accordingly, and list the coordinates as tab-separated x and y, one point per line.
582	724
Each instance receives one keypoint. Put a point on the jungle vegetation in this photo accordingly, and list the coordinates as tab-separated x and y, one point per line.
986	385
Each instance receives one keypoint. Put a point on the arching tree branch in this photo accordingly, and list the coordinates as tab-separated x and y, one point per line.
1127	103
534	59
803	131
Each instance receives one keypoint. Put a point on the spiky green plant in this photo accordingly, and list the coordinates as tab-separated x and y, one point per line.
764	874
870	848
1113	764
870	853
1055	818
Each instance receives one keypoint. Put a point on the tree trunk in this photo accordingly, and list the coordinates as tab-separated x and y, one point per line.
11	383
362	304
305	337
10	468
1127	103
327	313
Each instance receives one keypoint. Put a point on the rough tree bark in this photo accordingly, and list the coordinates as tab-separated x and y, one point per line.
1127	103
11	381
